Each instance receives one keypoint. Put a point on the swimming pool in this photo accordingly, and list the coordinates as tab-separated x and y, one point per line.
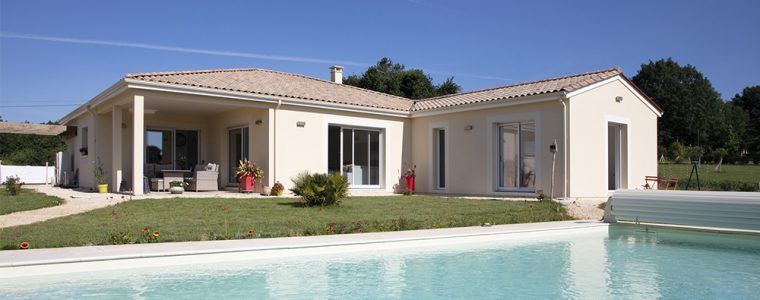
597	262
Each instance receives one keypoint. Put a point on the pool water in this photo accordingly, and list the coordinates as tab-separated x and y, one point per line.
619	262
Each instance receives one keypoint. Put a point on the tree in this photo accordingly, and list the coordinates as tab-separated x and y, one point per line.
749	101
28	149
688	99
720	152
676	151
694	153
392	78
734	134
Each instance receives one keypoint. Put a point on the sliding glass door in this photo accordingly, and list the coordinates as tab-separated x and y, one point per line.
517	156
171	149
355	152
238	150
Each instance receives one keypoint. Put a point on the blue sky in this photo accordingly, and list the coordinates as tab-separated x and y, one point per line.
57	54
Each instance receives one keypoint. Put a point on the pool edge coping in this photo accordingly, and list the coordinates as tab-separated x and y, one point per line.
23	258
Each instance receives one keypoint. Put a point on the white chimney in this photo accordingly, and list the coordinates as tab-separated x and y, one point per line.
336	74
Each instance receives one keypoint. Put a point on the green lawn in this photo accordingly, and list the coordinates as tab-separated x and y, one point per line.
730	177
25	200
215	218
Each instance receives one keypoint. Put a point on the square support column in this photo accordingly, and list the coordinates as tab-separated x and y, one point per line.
116	139
138	143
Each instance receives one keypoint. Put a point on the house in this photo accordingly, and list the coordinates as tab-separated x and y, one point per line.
492	142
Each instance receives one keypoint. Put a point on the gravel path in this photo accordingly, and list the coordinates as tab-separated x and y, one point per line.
584	208
74	202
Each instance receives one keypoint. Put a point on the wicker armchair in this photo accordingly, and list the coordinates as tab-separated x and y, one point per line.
205	178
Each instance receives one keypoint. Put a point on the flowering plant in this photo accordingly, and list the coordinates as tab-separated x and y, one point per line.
410	170
277	189
247	168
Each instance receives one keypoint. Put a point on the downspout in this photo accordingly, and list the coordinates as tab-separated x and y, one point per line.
563	99
274	168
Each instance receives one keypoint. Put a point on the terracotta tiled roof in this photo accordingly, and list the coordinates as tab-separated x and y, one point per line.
273	83
559	84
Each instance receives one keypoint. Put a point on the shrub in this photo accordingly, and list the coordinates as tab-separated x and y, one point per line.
277	189
320	189
13	185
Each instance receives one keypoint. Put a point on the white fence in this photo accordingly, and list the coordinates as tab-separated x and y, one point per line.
29	174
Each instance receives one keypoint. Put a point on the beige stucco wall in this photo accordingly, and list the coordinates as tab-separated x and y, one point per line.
472	154
283	149
258	139
590	112
299	149
83	163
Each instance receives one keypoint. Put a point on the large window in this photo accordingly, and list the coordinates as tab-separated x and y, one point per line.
85	141
517	156
355	152
171	149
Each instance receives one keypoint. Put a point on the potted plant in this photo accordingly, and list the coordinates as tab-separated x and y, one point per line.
409	176
177	187
277	189
248	172
100	177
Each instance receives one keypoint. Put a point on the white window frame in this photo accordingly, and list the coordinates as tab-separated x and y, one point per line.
247	140
433	182
85	140
499	159
620	121
492	160
381	153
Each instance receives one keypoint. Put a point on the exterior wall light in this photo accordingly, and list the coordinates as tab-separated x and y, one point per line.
468	128
301	124
619	99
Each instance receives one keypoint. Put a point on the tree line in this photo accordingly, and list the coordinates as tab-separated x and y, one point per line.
697	123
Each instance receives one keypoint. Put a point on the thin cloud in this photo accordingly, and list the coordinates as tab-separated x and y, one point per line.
180	49
220	53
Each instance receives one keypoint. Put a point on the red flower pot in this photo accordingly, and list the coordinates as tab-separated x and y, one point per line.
246	182
410	183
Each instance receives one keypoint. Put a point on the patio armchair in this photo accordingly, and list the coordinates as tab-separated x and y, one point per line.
205	178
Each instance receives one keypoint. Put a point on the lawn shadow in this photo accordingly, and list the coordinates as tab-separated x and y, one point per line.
293	204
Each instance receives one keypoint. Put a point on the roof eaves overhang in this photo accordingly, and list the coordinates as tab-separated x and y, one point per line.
201	91
113	91
504	102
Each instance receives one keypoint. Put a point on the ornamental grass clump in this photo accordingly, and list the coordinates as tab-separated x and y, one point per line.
320	189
